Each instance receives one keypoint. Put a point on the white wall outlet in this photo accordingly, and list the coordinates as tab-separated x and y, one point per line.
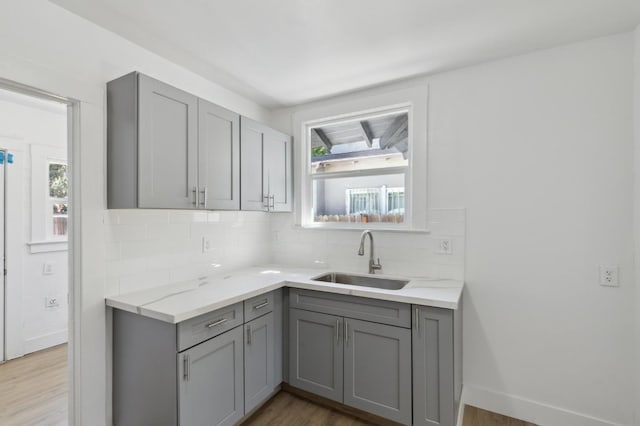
47	269
609	275
444	246
207	246
51	302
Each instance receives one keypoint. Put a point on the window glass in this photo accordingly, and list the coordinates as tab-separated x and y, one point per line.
358	168
58	199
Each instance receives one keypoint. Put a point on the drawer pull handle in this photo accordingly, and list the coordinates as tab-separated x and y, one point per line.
261	305
186	367
219	322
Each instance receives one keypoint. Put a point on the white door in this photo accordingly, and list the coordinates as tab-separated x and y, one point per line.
3	155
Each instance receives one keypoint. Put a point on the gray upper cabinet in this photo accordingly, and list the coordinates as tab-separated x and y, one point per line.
433	367
168	149
259	364
218	157
167	145
316	355
211	382
377	369
267	183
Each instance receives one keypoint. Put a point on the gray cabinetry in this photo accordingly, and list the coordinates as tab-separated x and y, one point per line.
208	370
211	381
377	369
316	357
363	363
434	384
265	169
218	157
258	360
168	149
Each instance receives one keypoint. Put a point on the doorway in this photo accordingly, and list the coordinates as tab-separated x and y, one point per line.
35	309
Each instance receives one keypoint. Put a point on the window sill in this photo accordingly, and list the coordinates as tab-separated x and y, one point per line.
48	246
362	227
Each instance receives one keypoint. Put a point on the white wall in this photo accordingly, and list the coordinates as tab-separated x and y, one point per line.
636	212
49	48
35	126
538	148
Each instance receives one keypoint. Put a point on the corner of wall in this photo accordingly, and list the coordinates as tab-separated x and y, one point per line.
636	205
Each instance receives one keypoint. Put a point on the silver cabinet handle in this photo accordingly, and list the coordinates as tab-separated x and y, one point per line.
272	203
418	320
337	331
203	203
186	366
261	305
248	335
194	191
346	332
220	321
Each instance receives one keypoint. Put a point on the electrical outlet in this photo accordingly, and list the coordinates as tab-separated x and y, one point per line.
51	302
206	245
444	247
47	269
609	275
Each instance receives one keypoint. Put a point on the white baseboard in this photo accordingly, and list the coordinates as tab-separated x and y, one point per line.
525	409
45	341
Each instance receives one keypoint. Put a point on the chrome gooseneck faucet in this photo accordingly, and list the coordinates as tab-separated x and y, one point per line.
373	266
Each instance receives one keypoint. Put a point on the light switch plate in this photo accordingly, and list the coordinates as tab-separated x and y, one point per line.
444	246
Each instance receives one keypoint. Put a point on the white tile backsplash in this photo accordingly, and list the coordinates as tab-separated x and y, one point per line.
401	253
148	248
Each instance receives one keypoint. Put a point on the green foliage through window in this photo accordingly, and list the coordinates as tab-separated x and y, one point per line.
58	183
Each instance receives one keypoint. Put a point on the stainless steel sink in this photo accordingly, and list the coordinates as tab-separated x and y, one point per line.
364	281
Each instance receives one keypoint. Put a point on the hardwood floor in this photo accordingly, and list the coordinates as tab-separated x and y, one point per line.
33	389
286	409
478	417
33	392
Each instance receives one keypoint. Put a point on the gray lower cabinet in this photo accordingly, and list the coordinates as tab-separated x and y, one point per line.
212	369
316	353
435	388
377	369
362	364
211	385
259	353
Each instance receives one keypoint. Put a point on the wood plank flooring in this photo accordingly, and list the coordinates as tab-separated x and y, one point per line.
33	392
33	389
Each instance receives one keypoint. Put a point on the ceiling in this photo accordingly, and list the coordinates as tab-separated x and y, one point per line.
286	52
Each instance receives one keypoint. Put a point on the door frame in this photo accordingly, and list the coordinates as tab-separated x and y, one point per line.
74	257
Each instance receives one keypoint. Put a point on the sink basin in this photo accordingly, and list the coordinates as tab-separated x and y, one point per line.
364	281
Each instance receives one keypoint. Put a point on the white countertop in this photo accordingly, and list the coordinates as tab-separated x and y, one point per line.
178	302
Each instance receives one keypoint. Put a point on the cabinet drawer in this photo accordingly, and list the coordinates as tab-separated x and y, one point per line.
380	311
258	306
199	329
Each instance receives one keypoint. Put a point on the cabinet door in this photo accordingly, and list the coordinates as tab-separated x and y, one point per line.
211	381
433	381
377	369
253	188
315	359
167	146
277	165
258	361
218	157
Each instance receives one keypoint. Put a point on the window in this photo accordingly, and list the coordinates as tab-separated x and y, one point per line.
58	200
357	170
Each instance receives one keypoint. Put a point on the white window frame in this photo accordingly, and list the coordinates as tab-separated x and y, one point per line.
350	108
